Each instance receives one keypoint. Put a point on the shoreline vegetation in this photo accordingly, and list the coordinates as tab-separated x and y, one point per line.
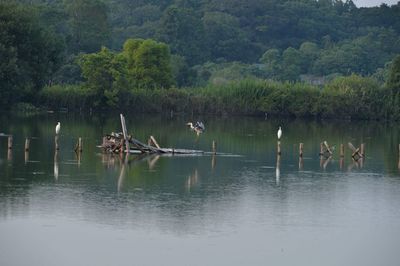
352	97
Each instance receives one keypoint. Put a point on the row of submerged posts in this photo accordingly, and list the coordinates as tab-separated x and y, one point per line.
78	148
326	153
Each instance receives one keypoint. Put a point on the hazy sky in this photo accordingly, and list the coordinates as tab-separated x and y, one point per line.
374	2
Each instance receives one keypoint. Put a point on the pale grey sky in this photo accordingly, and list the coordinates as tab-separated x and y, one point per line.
368	3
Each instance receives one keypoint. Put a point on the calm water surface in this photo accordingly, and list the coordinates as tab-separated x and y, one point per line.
241	207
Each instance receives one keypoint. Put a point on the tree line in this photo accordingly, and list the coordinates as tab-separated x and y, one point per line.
112	48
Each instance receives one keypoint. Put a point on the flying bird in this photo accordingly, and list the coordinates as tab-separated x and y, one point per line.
279	134
198	127
58	127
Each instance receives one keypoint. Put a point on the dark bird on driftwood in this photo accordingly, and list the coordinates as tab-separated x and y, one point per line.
198	127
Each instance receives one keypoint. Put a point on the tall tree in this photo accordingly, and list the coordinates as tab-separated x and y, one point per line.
148	63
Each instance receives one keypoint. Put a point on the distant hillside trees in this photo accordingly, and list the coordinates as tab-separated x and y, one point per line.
89	25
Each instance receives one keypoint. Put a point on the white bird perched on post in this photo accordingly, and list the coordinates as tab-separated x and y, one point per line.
58	127
198	127
279	134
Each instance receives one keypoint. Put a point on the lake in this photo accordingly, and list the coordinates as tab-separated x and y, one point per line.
243	206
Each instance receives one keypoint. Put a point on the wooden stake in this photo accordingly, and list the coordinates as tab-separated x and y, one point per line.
27	142
154	141
327	147
124	130
80	144
362	149
279	147
341	150
214	147
301	149
321	148
10	142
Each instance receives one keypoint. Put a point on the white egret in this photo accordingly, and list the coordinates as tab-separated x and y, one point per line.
279	134
198	127
58	127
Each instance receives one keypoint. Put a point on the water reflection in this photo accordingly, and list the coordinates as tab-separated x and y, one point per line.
56	166
213	161
9	155
152	160
192	180
26	157
241	203
122	174
278	169
324	161
355	164
301	163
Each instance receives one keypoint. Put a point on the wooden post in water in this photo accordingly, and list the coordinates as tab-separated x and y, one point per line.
121	150
341	150
214	147
399	157
301	149
10	142
80	144
362	149
321	148
154	142
26	157
125	132
27	142
278	148
56	142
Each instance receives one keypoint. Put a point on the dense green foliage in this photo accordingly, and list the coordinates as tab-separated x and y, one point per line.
343	98
324	58
304	37
29	53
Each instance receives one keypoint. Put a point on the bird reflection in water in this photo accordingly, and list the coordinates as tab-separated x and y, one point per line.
192	180
278	169
56	170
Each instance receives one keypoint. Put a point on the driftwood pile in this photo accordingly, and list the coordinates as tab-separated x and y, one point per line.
124	143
